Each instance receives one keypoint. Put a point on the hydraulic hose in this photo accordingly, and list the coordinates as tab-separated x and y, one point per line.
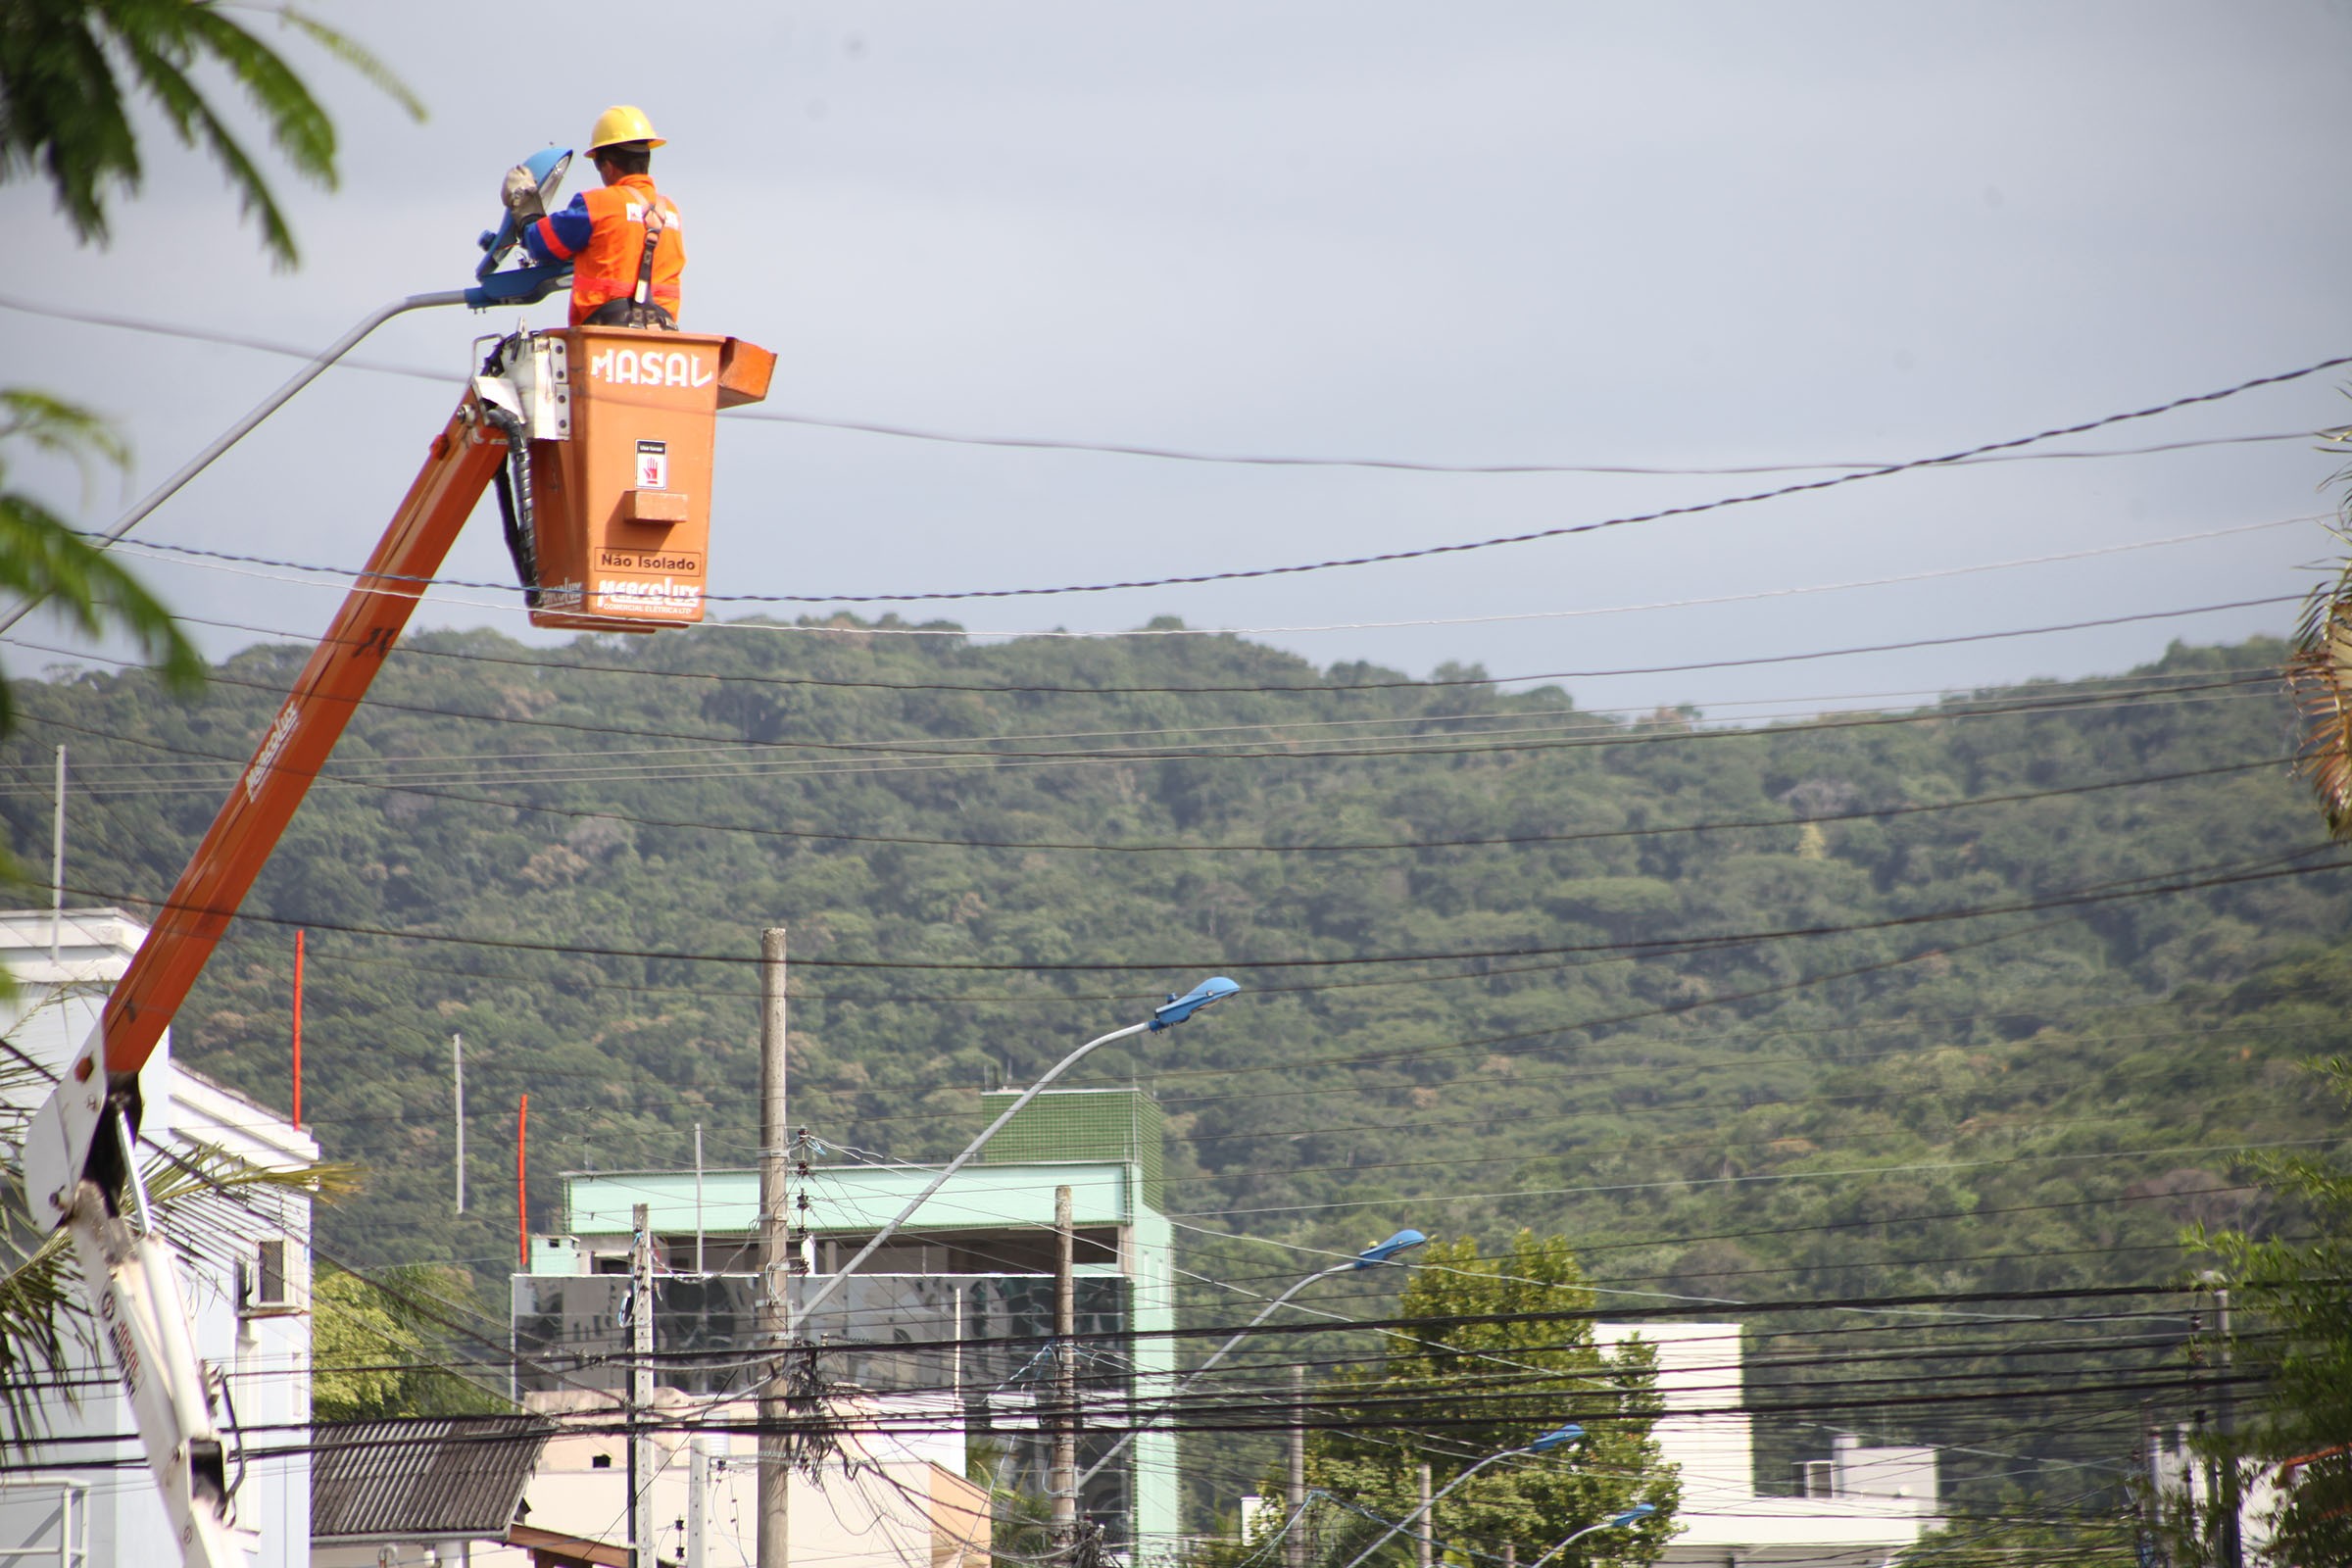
513	482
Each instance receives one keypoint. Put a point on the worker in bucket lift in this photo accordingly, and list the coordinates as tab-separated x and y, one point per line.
624	241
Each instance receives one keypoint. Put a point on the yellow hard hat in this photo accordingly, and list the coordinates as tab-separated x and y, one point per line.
622	122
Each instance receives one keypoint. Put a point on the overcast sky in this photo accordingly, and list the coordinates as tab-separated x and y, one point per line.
1673	236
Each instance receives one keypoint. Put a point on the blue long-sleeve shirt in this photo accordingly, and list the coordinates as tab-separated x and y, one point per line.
560	236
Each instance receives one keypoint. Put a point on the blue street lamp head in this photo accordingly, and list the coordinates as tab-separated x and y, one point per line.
546	168
1403	1241
1176	1009
1558	1435
1639	1510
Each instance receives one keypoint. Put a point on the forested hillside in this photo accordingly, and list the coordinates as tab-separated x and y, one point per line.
1980	996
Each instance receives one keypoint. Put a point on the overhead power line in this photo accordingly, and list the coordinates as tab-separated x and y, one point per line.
346	573
1761	1177
1657	514
2098	893
1647	1243
229	562
452	379
1563	737
405	784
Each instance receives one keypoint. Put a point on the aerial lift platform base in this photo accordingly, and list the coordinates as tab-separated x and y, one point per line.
603	437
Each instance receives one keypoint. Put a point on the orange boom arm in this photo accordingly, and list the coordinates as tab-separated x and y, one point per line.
457	470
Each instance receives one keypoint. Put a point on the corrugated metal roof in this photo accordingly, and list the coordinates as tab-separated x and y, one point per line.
433	1477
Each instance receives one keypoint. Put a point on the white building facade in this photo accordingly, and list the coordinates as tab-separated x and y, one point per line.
1858	1508
84	1493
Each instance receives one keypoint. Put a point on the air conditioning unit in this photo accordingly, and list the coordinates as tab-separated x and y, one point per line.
270	1284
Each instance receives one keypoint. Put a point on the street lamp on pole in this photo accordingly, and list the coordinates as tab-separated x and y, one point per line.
1558	1436
518	285
1173	1011
1638	1511
1372	1256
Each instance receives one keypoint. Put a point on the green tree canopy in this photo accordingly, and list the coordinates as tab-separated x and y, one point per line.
2296	1292
377	1348
1493	1356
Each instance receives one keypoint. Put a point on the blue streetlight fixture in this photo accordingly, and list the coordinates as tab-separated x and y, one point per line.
1168	1015
1177	1008
1382	1252
546	168
1634	1515
1559	1436
1404	1241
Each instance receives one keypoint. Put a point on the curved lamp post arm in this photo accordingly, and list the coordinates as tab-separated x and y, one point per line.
1219	1355
1400	1526
260	412
1175	1010
1566	1542
1568	1432
1638	1511
824	1292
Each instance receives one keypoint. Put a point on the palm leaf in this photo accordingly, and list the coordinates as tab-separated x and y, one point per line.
161	68
297	125
45	1331
62	106
60	429
61	112
43	557
2319	678
357	56
45	1328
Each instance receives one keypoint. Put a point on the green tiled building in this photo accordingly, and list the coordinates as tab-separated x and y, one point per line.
974	1265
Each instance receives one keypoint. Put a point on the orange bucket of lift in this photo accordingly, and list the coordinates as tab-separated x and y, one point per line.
621	516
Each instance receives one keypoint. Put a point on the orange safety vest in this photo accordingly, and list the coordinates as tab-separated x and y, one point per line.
606	269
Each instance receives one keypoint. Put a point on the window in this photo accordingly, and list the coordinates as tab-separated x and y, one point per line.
269	1283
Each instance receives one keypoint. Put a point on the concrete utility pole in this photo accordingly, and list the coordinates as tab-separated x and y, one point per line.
775	1277
1293	1544
1429	1523
641	1387
457	1068
57	862
2233	1546
2155	1444
1064	1484
698	1504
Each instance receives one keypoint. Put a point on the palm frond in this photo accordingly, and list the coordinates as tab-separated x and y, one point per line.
355	55
214	1170
62	108
45	1327
162	68
43	557
297	125
64	429
61	112
2319	679
45	1331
